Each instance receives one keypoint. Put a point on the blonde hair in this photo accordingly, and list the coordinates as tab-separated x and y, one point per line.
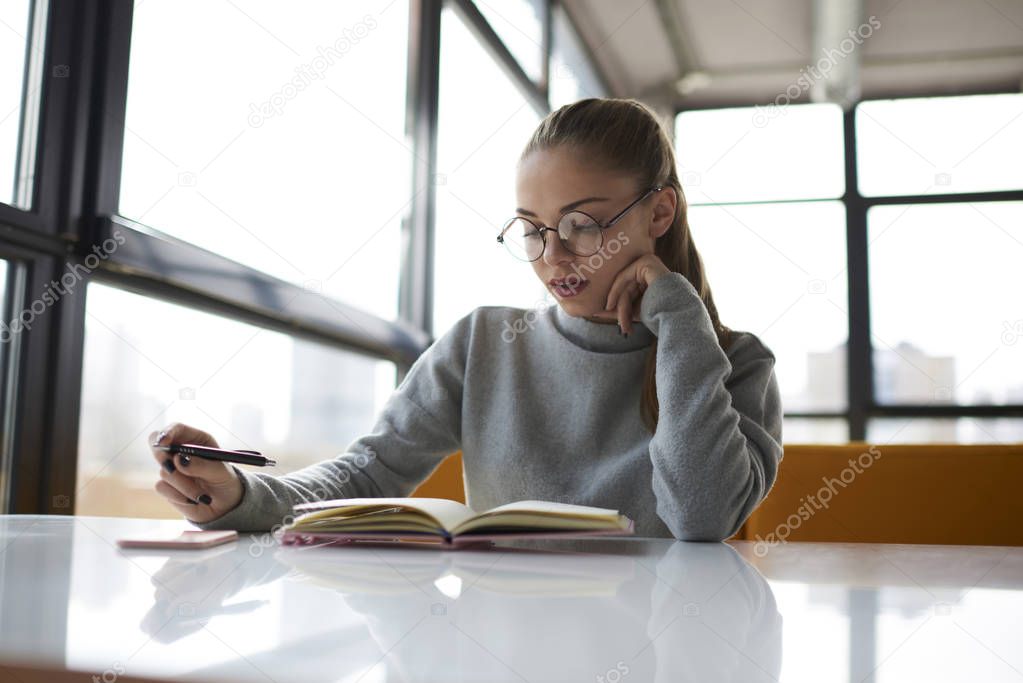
624	135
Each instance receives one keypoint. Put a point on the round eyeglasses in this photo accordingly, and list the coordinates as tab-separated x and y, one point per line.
579	232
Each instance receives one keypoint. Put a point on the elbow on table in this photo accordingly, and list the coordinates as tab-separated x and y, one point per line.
705	531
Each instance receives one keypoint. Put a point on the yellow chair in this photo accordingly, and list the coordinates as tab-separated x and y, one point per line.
445	481
954	494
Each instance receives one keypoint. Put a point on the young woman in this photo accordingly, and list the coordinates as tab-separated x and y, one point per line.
628	394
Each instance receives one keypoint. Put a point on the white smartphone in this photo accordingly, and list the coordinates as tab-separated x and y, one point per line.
193	538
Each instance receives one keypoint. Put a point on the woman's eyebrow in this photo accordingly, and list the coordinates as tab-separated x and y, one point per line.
566	207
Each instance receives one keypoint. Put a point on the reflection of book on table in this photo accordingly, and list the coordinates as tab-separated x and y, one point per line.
553	574
360	573
394	571
447	522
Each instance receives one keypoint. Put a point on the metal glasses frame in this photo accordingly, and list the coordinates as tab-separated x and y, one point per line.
542	229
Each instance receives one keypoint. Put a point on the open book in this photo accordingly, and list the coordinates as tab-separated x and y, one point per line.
438	520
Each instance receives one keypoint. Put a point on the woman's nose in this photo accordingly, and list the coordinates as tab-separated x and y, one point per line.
555	252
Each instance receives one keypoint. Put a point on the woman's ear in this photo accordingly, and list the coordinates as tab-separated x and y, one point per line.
664	212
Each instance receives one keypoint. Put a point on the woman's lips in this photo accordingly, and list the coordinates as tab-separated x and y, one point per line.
570	288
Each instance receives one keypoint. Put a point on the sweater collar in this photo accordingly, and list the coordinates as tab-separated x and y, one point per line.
601	337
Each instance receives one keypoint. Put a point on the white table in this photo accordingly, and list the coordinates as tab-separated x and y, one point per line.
596	610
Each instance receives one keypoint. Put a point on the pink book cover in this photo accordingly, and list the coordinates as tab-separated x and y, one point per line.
422	539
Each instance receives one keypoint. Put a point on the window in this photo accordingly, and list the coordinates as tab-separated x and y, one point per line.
945	283
815	430
778	271
21	53
572	76
275	138
940	145
269	154
761	153
484	124
777	268
294	400
519	25
942	275
945	430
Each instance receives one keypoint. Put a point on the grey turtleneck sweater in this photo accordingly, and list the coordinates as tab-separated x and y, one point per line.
546	406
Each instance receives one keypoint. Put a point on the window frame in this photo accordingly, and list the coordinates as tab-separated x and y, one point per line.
74	205
862	404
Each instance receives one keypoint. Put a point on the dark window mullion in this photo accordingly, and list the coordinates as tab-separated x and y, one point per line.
150	263
86	51
859	359
484	32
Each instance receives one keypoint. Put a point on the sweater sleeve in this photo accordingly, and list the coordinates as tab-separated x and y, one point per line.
419	426
718	441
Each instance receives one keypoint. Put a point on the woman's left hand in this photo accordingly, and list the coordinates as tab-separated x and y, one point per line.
626	293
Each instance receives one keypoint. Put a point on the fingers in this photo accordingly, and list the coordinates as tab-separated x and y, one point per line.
186	486
615	292
189	509
182	433
211	471
173	495
622	298
178	433
625	306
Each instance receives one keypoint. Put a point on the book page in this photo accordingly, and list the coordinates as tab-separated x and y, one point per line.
446	513
542	514
550	507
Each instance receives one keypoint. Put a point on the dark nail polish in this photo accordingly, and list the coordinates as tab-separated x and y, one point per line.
168	465
185	460
205	499
626	334
192	502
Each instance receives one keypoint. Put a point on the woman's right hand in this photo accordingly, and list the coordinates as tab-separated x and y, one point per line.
202	490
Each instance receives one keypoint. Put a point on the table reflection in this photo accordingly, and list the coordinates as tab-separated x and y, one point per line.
593	610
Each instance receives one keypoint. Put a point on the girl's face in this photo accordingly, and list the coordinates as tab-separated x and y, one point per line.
552	182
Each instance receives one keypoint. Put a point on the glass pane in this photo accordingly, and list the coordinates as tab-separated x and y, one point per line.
296	162
519	25
249	387
940	145
778	271
5	349
815	430
478	149
761	153
572	76
945	283
945	430
21	54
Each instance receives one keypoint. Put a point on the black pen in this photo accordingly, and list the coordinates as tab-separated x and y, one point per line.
243	457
